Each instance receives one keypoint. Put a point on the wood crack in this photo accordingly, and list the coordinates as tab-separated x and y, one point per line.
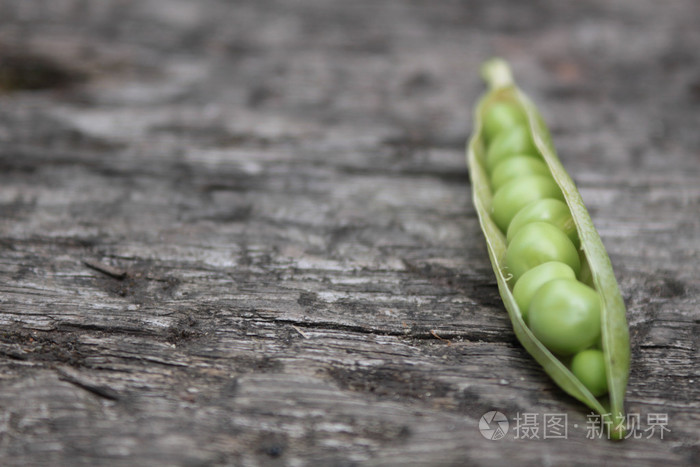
101	391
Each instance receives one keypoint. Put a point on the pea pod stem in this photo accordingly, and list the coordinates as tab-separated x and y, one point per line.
615	335
497	74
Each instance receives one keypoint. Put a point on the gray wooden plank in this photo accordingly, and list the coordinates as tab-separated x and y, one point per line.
283	186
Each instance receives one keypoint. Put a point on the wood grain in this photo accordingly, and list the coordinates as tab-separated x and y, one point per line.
240	233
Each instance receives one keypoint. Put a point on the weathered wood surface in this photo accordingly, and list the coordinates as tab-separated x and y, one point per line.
283	185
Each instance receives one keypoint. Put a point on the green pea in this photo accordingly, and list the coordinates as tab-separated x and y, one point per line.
564	315
548	210
500	116
537	243
518	193
589	367
517	166
532	280
516	140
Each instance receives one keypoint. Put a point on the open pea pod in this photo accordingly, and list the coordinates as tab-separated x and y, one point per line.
596	267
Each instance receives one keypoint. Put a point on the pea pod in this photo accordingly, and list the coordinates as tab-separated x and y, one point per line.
594	259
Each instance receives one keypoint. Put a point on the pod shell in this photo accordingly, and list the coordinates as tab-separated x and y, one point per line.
597	267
